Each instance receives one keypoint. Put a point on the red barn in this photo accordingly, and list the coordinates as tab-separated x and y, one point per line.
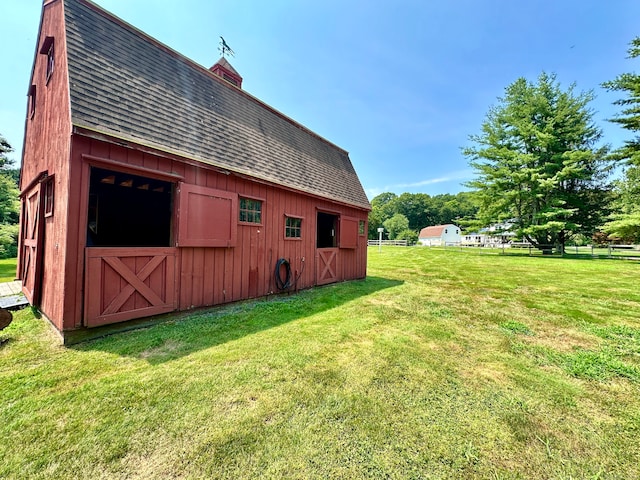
150	184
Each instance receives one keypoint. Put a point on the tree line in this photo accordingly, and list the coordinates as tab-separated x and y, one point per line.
404	215
9	203
540	164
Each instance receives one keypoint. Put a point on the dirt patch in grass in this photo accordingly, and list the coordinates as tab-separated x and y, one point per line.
562	340
167	349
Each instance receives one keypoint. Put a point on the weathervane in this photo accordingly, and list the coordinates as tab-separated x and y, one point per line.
224	48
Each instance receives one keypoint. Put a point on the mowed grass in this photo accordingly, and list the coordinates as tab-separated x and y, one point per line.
442	364
7	269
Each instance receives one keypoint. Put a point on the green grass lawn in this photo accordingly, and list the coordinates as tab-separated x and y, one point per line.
8	269
442	364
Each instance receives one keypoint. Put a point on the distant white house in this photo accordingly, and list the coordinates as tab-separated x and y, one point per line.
495	234
440	235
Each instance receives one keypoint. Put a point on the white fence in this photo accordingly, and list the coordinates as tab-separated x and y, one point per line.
375	243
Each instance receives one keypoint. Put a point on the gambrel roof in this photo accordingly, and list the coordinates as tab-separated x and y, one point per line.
435	231
125	84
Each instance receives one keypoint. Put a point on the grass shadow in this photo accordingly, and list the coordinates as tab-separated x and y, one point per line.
171	336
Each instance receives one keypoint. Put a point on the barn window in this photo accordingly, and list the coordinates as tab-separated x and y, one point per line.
250	210
327	230
47	49
293	227
361	229
128	210
47	187
31	111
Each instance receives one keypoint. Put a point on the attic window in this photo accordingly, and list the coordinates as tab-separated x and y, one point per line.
48	50
32	102
48	187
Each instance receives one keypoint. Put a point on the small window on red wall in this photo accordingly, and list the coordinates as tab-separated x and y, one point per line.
48	189
48	50
250	211
31	111
293	228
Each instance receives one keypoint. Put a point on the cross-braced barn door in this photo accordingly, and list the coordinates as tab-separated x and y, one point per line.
326	266
31	245
126	283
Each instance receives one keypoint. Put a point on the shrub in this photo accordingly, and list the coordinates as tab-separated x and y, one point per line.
9	240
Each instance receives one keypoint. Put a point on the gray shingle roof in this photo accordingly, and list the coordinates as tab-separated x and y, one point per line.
126	84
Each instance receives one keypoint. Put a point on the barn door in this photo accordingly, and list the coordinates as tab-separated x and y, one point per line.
326	248
327	266
126	283
31	245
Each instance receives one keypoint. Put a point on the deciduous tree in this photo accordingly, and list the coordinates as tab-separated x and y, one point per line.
395	225
5	148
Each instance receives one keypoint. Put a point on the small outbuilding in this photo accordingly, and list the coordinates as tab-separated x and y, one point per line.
150	184
439	235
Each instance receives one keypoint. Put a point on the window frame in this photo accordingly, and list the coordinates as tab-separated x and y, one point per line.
362	228
48	49
31	110
289	228
261	202
48	192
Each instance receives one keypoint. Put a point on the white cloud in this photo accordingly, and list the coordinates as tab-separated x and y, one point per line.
451	177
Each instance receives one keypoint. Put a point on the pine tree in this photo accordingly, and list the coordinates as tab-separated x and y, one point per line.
538	163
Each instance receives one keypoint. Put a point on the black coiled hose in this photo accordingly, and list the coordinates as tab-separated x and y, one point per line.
280	283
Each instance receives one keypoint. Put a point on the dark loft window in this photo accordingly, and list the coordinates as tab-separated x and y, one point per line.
128	210
292	227
48	50
250	210
361	227
47	187
32	102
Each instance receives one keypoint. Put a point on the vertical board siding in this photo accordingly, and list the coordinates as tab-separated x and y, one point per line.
47	148
208	276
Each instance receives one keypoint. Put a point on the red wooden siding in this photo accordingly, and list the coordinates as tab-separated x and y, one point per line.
47	149
207	275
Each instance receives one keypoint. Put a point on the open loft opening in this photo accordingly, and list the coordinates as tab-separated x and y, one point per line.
128	210
327	230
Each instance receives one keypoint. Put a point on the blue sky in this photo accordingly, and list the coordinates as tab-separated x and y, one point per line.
399	84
